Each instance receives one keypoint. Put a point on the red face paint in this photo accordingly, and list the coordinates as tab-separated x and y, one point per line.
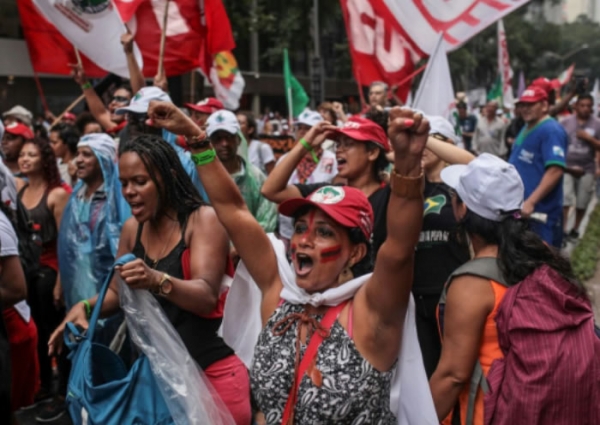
331	254
293	249
311	222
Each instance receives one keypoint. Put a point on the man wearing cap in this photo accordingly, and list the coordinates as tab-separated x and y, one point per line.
223	130
15	136
539	155
490	132
203	109
583	130
260	154
465	123
18	114
136	114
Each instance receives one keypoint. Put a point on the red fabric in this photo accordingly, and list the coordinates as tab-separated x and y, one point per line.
19	129
364	130
189	45
49	51
379	46
229	378
187	275
117	128
25	369
550	373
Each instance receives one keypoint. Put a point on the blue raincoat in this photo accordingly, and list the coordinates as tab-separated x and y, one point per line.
89	234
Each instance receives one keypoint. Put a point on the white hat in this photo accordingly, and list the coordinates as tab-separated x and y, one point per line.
440	125
309	118
141	101
489	186
19	113
222	120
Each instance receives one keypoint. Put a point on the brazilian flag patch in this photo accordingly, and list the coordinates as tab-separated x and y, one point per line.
434	204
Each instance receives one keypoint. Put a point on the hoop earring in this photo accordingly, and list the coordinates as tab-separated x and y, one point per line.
346	275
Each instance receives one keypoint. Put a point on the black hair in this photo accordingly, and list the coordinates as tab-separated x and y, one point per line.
585	96
175	188
520	250
68	134
125	86
50	171
379	117
356	236
40	131
250	122
82	120
380	164
461	105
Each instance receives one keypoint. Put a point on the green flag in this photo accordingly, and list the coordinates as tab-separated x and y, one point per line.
296	97
495	92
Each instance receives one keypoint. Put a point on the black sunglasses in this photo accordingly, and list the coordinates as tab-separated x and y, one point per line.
120	99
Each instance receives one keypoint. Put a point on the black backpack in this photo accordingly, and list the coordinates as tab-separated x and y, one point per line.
29	237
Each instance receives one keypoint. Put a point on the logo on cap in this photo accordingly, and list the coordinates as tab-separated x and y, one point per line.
328	195
528	93
12	125
138	95
220	118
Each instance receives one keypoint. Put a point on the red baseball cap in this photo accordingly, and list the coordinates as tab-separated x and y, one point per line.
19	129
364	130
69	116
533	94
346	205
543	83
206	106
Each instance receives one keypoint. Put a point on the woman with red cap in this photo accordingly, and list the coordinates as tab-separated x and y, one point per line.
323	315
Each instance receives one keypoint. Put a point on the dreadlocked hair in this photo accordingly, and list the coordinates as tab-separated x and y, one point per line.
175	188
49	168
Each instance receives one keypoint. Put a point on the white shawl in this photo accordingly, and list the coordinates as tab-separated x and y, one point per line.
242	325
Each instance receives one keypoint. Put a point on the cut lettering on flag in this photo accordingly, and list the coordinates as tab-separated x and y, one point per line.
506	72
296	96
86	23
388	37
226	79
566	75
435	95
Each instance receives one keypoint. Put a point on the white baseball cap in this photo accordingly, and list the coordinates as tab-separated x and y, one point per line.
141	101
489	186
309	118
440	125
222	120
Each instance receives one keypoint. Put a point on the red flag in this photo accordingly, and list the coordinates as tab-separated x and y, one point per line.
49	51
189	44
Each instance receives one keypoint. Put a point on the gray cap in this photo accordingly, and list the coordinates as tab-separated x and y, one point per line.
489	186
19	113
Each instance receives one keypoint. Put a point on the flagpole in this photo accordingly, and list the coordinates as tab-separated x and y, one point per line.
163	38
71	106
290	108
78	56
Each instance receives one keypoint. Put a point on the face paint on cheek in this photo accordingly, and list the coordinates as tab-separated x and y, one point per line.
331	254
293	249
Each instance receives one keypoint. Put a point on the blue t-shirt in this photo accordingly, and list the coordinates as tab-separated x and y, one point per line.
535	150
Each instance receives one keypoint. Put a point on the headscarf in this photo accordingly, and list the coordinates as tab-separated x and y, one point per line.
90	229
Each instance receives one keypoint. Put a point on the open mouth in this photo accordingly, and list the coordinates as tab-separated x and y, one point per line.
304	264
341	162
136	208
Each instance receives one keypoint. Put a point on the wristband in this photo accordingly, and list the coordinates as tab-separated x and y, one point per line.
407	187
86	85
88	308
309	148
205	157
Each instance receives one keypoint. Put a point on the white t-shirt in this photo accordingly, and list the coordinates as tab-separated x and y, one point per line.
260	154
9	246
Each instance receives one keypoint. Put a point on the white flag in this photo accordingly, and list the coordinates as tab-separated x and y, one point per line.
94	27
435	95
226	79
596	97
506	72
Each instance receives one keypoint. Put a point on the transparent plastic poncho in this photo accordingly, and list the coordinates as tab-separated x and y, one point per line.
190	397
89	234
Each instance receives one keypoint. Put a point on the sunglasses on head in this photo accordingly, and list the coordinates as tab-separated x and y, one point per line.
120	99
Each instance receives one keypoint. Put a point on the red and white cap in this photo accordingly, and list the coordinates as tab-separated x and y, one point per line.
543	83
533	94
206	106
19	129
363	130
346	205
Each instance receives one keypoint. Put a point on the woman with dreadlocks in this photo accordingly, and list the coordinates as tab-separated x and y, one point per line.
182	255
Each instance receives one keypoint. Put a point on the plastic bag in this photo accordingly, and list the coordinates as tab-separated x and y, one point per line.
190	397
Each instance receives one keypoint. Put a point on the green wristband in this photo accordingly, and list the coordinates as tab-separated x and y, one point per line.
205	157
309	148
86	85
88	308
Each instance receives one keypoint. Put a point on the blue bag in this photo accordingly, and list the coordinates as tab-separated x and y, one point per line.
101	391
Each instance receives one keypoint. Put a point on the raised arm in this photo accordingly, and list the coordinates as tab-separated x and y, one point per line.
448	152
97	107
251	242
276	186
136	78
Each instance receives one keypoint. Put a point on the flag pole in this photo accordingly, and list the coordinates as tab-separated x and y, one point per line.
40	91
78	56
163	38
290	108
71	106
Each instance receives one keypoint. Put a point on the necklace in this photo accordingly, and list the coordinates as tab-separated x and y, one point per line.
154	263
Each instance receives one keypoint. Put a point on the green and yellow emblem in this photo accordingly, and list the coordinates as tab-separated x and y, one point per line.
434	204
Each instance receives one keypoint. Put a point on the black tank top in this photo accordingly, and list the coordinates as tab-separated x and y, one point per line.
199	334
41	214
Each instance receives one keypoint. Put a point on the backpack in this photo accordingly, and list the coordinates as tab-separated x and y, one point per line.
550	372
29	237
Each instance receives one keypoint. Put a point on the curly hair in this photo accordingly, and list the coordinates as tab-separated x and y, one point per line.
49	168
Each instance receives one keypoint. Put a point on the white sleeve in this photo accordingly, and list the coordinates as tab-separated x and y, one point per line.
266	153
8	238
